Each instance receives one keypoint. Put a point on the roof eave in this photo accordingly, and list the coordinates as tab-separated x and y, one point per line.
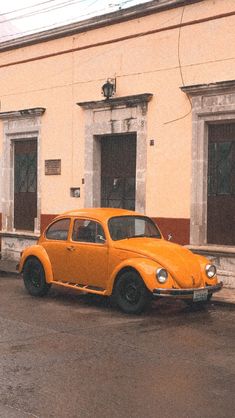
96	22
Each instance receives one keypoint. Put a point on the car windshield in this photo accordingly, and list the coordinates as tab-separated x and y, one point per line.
124	227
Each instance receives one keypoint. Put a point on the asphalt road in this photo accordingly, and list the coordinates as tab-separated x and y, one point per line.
71	355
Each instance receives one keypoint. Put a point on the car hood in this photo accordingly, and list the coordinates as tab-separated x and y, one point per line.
180	262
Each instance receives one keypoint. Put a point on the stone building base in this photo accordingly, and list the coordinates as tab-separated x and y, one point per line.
223	258
13	243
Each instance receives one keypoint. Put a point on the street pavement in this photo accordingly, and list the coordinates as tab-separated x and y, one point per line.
71	356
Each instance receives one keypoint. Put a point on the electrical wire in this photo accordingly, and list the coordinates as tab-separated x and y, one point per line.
52	7
181	72
57	24
179	67
26	7
60	23
47	27
46	10
132	74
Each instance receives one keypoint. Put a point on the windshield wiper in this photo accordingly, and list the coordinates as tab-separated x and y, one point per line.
137	236
144	235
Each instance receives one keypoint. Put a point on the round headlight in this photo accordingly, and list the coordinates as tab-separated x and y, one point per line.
210	270
162	275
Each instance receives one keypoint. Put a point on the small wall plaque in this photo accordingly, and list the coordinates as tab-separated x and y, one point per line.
52	167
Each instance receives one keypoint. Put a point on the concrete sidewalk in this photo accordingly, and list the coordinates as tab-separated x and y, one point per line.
226	295
8	266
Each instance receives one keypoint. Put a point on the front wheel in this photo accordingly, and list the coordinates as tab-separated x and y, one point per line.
34	278
130	293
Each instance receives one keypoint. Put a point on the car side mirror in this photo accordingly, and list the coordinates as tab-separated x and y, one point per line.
169	237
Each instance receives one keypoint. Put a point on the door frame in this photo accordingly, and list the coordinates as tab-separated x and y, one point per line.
17	126
211	104
126	138
220	203
14	142
120	115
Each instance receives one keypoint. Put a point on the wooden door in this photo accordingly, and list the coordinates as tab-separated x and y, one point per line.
25	184
221	185
118	171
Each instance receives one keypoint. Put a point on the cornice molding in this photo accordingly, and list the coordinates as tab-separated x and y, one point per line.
127	101
209	89
23	113
130	13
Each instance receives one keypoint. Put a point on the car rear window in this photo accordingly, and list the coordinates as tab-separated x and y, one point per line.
59	230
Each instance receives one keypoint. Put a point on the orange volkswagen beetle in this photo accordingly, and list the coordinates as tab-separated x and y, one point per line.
118	253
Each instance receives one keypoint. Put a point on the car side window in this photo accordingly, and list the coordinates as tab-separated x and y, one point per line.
59	230
85	230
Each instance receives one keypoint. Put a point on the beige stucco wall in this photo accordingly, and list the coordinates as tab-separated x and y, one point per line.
141	64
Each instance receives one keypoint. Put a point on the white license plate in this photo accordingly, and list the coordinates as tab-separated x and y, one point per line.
199	295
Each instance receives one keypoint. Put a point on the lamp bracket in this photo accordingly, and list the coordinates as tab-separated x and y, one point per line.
113	82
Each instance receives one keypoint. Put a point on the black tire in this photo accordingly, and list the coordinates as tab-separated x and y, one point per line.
34	278
130	293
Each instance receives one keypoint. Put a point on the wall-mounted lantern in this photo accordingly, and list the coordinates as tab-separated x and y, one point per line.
109	88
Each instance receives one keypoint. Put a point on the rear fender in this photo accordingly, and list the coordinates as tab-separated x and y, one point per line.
40	253
146	269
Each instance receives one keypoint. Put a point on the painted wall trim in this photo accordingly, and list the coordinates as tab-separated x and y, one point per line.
46	219
179	228
110	41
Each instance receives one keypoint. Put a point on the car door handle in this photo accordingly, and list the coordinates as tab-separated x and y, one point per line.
71	248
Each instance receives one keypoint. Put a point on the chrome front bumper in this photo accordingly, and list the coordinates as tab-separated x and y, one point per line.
186	293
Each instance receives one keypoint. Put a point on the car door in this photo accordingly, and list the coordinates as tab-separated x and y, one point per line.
88	256
57	247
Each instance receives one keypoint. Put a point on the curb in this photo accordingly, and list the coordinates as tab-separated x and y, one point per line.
226	295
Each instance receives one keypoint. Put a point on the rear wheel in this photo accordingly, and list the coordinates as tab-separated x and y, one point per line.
130	293
34	277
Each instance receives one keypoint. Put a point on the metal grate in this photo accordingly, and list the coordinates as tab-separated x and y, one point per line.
221	184
25	184
118	171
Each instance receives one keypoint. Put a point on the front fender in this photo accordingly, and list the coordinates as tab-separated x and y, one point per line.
146	269
40	253
203	261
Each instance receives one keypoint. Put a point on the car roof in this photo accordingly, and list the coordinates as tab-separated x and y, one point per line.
100	213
